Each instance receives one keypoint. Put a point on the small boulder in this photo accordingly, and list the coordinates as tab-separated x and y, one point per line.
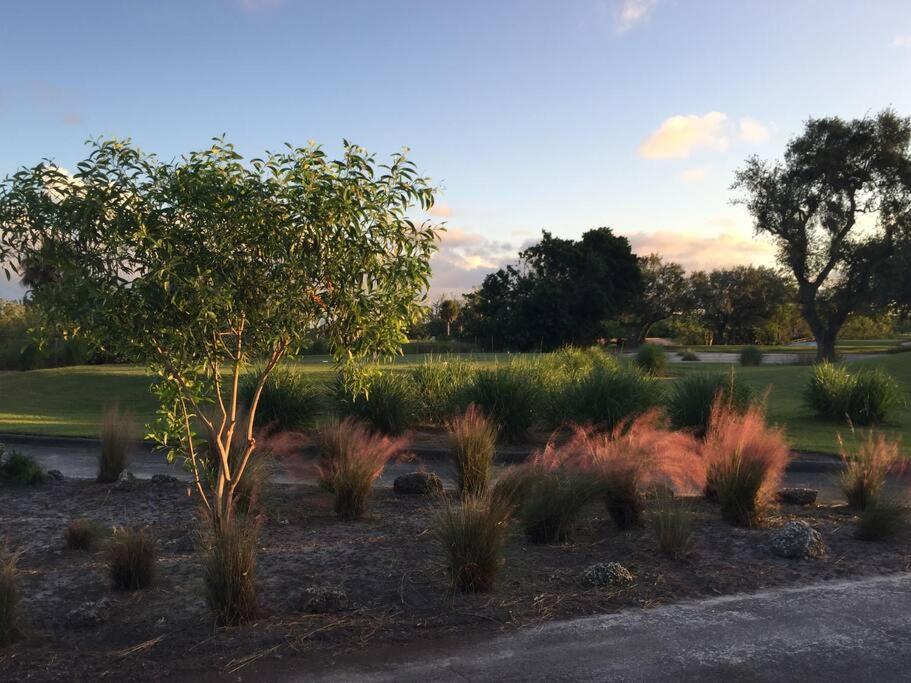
89	614
126	482
606	574
54	476
322	599
797	539
418	483
798	496
163	480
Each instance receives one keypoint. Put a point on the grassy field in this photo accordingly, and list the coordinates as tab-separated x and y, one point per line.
70	401
852	346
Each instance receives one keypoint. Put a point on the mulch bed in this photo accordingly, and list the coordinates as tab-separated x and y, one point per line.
387	564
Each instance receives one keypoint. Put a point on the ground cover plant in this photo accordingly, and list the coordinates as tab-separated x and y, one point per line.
117	435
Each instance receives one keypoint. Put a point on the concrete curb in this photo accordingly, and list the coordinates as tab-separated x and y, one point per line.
801	462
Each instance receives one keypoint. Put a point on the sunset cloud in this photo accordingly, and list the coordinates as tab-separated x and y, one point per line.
630	13
704	252
694	175
441	210
678	136
464	259
753	131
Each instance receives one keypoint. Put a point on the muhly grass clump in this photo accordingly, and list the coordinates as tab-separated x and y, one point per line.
865	471
607	395
352	457
10	618
882	519
289	400
473	443
132	558
388	403
862	398
438	384
652	359
20	469
745	460
672	522
509	396
81	534
117	433
751	356
472	534
230	570
689	402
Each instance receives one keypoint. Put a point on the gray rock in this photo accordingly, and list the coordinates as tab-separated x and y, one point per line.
89	614
126	482
163	480
797	539
322	599
798	496
607	574
54	475
418	483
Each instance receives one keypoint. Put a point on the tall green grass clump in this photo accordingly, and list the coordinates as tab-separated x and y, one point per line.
690	400
117	433
509	395
473	443
672	523
230	570
552	503
438	384
472	534
10	618
751	356
607	395
20	469
132	557
865	471
289	399
862	398
652	359
388	404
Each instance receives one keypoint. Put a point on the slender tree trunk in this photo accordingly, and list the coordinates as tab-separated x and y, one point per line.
448	323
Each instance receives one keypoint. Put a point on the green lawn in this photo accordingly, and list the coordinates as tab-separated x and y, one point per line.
844	346
70	401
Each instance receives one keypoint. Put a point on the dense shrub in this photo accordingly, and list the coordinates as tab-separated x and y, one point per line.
10	626
117	433
861	398
745	460
438	385
689	356
751	356
472	535
388	405
81	534
689	402
352	457
132	559
881	520
652	359
230	571
865	471
20	469
672	523
509	396
289	399
473	444
608	395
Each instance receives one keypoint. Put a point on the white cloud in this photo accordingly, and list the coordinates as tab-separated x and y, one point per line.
694	175
464	258
630	13
698	251
753	131
679	135
902	41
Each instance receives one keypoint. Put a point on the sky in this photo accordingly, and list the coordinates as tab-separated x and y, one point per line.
529	115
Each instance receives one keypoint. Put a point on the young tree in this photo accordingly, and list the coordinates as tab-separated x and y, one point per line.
833	206
201	265
449	313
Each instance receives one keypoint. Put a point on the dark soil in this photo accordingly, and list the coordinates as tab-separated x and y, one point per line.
388	565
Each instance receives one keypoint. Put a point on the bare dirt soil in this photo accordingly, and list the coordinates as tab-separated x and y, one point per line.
388	565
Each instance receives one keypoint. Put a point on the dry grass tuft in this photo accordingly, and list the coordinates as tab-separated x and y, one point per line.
132	559
866	470
230	570
472	534
672	523
473	441
117	433
81	534
10	626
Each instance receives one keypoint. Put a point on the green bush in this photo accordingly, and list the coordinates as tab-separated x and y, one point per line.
10	627
389	404
438	385
689	402
652	360
689	356
20	469
472	536
751	356
509	396
607	395
132	559
116	437
289	399
230	571
862	398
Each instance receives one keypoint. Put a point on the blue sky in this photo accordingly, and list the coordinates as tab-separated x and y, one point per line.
531	114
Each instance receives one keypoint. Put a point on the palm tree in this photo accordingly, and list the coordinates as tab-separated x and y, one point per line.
449	313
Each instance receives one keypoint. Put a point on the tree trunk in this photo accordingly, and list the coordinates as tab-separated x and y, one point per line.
448	323
825	348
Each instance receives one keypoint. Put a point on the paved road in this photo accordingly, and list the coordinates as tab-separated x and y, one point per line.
846	631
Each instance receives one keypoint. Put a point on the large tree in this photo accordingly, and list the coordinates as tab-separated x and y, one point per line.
202	265
834	205
664	294
562	291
